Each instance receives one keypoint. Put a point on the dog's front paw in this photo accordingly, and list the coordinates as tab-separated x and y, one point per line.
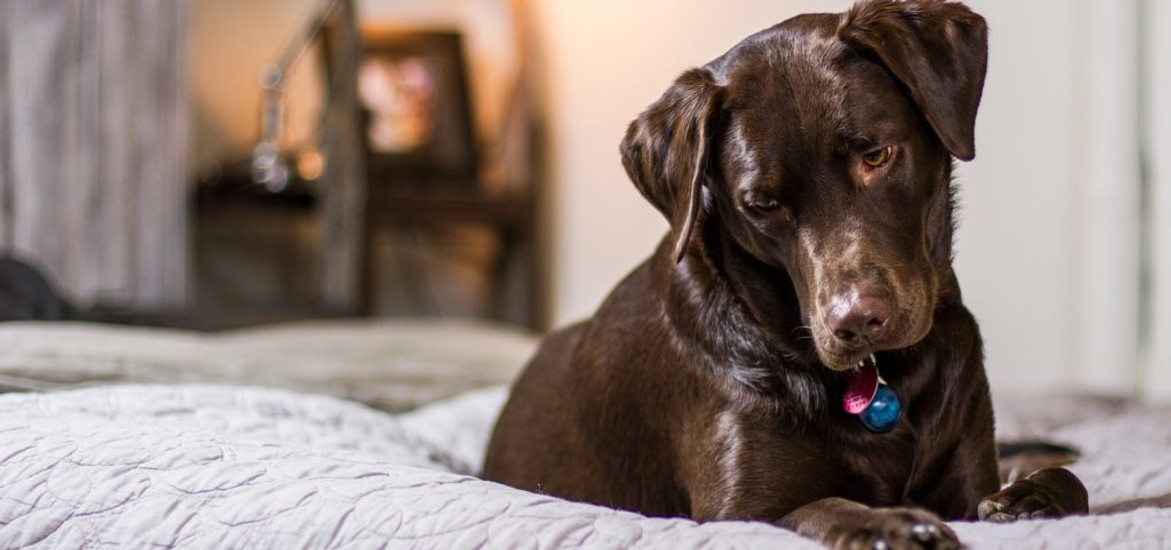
1046	493
893	529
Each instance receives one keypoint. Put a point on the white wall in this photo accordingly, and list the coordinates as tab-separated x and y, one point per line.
1157	379
1048	245
1046	252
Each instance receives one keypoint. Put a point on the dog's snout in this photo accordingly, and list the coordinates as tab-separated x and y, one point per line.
859	316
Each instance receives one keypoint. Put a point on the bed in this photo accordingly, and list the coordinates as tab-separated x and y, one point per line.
369	435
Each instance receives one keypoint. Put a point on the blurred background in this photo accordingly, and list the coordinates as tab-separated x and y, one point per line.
220	163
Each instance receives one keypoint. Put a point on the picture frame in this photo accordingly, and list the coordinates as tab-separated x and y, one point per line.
417	113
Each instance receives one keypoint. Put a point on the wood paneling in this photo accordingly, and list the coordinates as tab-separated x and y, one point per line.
344	194
94	146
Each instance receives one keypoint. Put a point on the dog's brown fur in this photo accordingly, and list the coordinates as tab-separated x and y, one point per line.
807	178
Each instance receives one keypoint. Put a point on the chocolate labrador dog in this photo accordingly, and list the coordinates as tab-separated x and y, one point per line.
796	351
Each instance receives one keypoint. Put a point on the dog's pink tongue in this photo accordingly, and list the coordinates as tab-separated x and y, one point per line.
861	385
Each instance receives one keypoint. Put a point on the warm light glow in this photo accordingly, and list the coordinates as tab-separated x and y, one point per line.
310	165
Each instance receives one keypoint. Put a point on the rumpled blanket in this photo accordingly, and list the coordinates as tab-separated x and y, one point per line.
207	466
389	364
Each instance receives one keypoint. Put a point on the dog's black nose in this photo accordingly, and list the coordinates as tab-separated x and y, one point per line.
858	316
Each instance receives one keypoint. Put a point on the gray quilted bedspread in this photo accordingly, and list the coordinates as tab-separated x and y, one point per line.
205	466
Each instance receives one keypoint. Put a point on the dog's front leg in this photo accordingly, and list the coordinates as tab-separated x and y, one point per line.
1045	493
841	523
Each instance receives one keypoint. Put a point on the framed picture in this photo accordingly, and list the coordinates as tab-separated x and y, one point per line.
412	86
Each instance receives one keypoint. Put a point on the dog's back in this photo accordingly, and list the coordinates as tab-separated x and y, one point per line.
567	430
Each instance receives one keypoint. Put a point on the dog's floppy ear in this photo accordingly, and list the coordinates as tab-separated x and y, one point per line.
666	150
938	50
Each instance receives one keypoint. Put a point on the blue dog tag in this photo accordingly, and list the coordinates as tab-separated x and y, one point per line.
883	412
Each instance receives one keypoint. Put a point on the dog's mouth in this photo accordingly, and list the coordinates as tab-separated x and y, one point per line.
844	361
840	354
838	357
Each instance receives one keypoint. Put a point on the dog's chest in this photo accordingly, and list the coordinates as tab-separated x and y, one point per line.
880	467
891	468
844	460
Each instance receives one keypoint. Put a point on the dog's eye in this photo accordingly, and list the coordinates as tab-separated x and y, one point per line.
764	204
878	157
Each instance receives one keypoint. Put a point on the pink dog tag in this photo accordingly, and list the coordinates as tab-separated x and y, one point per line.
861	385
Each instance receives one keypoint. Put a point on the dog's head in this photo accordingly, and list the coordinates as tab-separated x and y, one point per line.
823	147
